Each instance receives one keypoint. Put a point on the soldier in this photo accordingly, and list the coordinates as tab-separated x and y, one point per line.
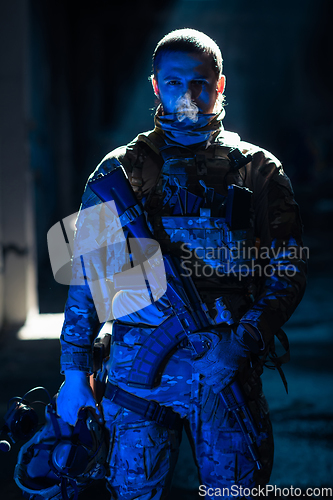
207	196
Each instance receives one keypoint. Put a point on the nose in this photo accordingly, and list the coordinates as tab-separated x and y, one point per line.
194	90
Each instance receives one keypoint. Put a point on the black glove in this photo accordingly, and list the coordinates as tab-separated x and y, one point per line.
223	353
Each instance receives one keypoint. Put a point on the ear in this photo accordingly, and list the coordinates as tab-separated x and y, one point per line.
220	85
155	86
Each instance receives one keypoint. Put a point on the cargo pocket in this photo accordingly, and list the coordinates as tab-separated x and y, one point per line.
225	461
142	456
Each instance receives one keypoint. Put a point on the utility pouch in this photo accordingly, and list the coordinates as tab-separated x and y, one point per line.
101	351
101	354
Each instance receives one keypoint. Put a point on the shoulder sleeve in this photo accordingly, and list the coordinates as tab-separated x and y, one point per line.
281	265
89	301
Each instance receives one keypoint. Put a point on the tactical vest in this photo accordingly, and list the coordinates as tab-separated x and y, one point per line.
199	210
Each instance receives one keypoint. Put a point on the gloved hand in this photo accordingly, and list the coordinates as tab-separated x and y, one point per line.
224	353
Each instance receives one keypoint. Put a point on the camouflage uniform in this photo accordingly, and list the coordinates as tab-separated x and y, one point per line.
143	454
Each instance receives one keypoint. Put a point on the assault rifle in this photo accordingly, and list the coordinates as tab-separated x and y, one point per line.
188	314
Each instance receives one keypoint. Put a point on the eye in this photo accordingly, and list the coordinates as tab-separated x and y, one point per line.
173	82
199	82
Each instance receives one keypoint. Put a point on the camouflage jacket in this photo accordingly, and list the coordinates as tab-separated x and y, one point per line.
277	226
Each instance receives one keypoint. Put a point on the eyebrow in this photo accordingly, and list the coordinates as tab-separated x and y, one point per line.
171	77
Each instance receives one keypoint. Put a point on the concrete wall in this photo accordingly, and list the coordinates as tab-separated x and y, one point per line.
17	262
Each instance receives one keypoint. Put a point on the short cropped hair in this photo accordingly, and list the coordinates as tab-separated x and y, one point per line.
188	40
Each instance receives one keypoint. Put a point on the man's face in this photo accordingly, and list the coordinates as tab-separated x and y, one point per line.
181	73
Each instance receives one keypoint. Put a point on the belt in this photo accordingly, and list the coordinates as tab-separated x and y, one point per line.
149	410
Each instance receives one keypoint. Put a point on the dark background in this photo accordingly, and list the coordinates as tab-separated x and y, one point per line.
88	67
